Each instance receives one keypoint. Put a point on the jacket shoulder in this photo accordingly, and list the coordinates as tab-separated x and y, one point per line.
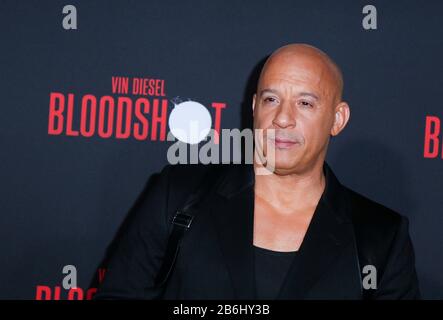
184	179
376	227
382	238
372	213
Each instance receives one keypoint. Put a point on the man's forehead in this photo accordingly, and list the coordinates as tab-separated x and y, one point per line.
295	68
299	65
295	77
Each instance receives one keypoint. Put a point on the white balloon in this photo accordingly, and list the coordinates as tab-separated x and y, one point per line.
190	122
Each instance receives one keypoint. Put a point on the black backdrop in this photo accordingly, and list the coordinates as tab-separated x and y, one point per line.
62	197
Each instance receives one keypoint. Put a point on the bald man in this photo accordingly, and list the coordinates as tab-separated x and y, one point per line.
230	232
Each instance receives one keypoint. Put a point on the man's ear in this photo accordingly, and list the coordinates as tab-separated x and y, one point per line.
341	118
253	103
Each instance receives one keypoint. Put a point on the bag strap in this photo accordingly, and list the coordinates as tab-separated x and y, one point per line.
181	223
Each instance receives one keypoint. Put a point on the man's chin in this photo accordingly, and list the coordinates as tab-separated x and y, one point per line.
283	167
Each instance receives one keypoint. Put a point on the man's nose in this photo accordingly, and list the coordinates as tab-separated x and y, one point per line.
285	116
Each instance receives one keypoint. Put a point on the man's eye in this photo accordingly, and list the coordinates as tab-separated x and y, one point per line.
270	99
306	104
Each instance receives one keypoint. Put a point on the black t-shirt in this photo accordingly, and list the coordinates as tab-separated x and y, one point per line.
271	268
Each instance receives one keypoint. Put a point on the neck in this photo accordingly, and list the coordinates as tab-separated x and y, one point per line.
294	190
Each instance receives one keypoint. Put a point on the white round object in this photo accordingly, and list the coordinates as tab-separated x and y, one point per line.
190	122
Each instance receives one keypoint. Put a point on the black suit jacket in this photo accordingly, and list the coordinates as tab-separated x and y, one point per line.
216	261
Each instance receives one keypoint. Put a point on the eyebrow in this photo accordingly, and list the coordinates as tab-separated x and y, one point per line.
309	94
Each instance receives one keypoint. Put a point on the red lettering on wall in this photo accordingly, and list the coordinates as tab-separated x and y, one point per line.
56	108
159	119
432	142
217	121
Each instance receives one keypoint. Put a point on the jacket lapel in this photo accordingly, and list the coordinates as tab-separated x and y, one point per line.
328	234
233	210
233	214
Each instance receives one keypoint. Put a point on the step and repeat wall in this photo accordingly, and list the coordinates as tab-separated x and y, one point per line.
87	89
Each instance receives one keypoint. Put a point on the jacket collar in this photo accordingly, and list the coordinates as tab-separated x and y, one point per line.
238	178
327	233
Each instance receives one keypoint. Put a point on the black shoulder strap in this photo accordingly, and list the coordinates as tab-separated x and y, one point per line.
181	223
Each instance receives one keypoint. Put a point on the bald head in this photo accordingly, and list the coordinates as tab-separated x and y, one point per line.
296	53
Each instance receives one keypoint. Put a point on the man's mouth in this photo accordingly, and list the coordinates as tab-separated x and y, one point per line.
283	143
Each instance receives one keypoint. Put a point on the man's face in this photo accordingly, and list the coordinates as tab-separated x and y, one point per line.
295	96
